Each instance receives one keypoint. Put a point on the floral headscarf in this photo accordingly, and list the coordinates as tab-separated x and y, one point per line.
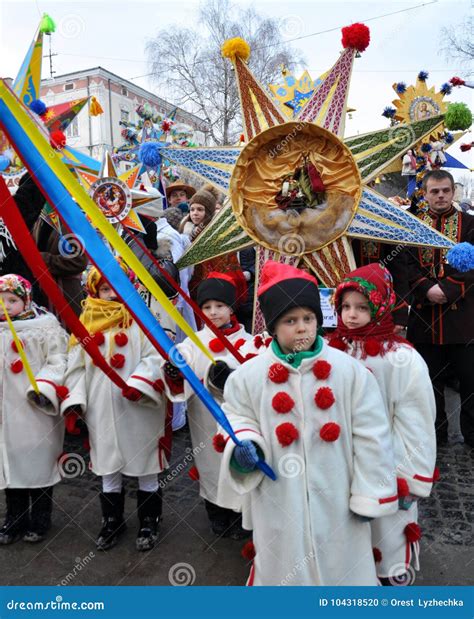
375	283
16	284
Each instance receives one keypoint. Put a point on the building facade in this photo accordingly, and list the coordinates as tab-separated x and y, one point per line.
119	99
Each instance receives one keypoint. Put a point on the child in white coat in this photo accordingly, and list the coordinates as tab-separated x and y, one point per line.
126	428
216	296
317	418
31	428
364	301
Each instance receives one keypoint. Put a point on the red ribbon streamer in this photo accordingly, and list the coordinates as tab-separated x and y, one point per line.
27	247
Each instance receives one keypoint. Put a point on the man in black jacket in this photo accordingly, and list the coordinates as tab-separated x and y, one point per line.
441	320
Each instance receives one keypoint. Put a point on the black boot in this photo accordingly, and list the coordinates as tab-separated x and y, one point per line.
149	505
41	509
236	530
219	518
17	516
113	524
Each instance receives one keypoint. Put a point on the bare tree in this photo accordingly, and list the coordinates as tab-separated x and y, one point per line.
188	63
457	44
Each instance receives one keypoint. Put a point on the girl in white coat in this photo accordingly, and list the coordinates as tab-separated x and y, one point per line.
126	428
31	428
364	301
317	417
216	296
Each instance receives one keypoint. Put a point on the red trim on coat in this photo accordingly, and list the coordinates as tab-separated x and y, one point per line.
145	380
243	430
428	480
389	499
251	576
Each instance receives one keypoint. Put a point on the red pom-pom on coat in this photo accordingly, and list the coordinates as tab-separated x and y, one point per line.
216	345
282	402
377	555
248	551
98	338
402	487
321	369
14	348
16	366
330	432
121	339
258	341
278	373
372	347
412	532
219	442
57	139
286	433
117	361
324	398
62	392
193	473
356	36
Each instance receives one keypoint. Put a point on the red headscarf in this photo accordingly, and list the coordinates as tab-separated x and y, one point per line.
375	283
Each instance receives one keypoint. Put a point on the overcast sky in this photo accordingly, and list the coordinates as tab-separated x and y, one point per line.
113	33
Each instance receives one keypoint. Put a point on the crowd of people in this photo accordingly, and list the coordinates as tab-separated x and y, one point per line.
358	410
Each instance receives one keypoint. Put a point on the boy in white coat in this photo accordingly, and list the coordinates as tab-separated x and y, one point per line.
364	301
126	428
216	296
317	417
31	428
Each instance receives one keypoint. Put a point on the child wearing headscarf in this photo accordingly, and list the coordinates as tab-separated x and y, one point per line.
126	428
364	301
31	428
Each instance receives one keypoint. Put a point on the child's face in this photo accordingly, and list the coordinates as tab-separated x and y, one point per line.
13	303
106	293
219	313
197	213
355	311
296	330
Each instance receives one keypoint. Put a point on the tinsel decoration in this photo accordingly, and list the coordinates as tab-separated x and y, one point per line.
458	117
423	76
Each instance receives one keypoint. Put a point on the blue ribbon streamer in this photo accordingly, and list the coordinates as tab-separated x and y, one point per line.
107	264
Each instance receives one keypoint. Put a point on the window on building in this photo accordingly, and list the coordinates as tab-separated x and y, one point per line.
69	86
73	130
124	91
124	115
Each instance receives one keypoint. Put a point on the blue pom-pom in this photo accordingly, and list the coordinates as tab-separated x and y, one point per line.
38	107
389	112
149	154
426	148
448	137
4	162
461	257
423	76
446	88
401	87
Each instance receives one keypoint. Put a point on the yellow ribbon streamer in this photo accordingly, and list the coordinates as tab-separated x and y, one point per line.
20	349
90	208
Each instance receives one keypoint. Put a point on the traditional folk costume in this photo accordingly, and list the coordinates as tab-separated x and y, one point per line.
404	382
126	429
31	428
444	333
318	419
